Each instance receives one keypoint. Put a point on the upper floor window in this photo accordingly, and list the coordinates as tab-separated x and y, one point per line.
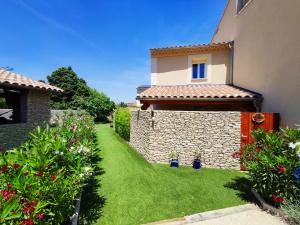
241	4
199	70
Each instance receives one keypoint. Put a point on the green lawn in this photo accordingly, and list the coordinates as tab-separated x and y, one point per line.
134	192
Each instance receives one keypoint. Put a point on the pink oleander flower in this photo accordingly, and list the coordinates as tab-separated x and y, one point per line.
17	166
277	199
281	168
40	216
27	222
4	169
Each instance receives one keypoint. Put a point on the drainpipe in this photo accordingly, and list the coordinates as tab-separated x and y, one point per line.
231	44
257	104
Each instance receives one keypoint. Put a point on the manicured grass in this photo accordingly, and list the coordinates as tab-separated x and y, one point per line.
137	192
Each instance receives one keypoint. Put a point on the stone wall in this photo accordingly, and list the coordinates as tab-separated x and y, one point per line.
216	135
38	112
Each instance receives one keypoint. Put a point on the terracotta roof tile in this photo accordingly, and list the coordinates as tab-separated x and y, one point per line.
189	49
197	92
11	78
194	46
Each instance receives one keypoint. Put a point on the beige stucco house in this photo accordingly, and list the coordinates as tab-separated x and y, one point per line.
266	39
195	78
252	64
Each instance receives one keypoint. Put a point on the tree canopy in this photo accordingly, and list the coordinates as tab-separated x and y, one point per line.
78	95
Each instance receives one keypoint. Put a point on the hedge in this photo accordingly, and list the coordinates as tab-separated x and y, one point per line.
122	122
40	180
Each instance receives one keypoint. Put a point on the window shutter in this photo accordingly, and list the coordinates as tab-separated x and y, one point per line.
202	70
195	71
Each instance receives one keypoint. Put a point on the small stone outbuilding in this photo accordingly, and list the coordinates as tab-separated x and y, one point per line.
24	104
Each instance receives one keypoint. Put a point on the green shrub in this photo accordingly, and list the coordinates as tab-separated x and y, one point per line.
292	210
273	162
122	122
40	180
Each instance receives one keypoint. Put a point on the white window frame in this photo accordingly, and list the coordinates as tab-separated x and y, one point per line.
208	68
198	70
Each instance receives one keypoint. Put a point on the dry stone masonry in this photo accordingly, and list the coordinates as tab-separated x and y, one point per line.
216	135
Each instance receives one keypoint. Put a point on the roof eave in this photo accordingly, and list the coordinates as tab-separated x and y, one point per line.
25	87
237	99
190	49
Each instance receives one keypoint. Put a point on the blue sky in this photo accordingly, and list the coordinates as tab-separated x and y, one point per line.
105	41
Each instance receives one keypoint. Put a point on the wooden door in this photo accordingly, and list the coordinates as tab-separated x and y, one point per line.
251	121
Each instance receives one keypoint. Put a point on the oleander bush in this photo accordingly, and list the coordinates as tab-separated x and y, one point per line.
273	161
122	122
40	180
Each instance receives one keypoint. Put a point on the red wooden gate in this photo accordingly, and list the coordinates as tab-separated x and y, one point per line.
251	121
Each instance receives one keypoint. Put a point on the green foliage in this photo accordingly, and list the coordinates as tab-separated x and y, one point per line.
40	180
3	104
122	122
97	104
77	94
292	209
72	85
122	104
273	161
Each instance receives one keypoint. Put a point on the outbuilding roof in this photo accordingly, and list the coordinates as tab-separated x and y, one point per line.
14	79
197	92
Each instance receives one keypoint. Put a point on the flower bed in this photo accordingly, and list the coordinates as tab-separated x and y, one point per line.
40	180
273	162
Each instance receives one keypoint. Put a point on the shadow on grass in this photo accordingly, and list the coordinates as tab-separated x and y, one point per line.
243	186
91	202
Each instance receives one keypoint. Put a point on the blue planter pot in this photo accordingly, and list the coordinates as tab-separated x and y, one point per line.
174	163
197	164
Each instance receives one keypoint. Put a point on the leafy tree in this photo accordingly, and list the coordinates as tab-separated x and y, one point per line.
97	104
78	95
72	85
122	105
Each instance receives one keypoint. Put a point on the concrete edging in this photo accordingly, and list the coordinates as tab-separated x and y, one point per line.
267	207
205	215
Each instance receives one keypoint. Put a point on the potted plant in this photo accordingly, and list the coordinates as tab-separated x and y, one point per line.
197	161
174	161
